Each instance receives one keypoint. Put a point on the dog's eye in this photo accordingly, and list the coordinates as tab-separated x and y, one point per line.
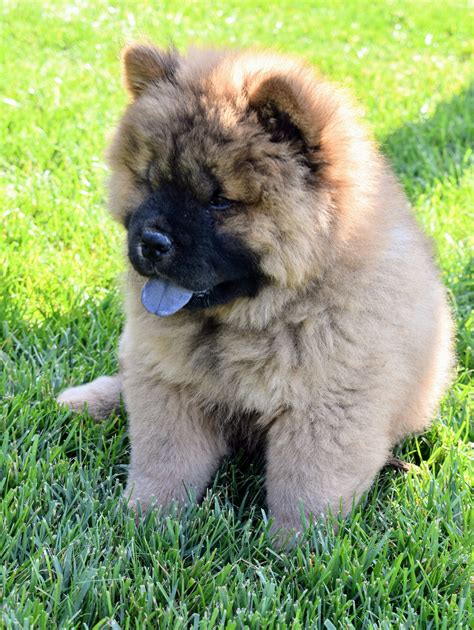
220	203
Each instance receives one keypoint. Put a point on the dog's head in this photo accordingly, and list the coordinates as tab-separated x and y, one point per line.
231	171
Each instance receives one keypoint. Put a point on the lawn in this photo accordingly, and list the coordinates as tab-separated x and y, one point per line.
71	555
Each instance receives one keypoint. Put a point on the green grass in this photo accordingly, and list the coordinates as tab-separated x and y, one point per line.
71	555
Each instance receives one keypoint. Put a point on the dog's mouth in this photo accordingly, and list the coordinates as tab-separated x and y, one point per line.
163	298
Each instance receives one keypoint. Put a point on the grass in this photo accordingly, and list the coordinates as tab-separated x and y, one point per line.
71	555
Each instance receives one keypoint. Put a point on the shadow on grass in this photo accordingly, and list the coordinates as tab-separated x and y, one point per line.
425	151
240	481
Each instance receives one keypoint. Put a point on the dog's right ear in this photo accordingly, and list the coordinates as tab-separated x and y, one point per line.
144	65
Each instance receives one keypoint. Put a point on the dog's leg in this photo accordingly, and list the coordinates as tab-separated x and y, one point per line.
175	448
101	397
321	459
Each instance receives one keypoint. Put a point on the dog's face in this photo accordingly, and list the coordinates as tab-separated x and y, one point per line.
220	173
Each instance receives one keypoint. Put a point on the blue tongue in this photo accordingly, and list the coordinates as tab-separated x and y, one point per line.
162	298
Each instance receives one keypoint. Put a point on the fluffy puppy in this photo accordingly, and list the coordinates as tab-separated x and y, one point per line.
278	289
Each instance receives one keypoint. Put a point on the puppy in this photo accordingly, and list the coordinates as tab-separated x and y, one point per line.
279	289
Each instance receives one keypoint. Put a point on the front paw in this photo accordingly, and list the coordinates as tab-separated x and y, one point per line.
100	397
286	533
73	399
140	507
144	494
139	499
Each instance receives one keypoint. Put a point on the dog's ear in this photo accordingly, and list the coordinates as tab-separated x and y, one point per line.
144	65
284	104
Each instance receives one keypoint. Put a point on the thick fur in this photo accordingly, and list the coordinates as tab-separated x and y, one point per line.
345	348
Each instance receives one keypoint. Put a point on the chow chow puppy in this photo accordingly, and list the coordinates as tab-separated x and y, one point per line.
279	290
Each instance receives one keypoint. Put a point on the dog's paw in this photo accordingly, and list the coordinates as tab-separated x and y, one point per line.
285	535
100	398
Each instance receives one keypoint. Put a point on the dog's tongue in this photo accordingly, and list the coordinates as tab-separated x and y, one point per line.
160	297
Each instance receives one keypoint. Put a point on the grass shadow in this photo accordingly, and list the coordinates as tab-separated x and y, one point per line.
433	147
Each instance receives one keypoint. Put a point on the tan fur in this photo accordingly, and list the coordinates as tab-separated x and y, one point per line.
348	348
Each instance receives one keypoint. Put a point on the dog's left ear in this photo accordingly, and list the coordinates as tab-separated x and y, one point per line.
284	105
144	65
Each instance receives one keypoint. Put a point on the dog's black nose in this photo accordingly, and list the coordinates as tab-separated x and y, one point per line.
155	244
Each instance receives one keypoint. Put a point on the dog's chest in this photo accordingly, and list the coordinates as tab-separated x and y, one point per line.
258	370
